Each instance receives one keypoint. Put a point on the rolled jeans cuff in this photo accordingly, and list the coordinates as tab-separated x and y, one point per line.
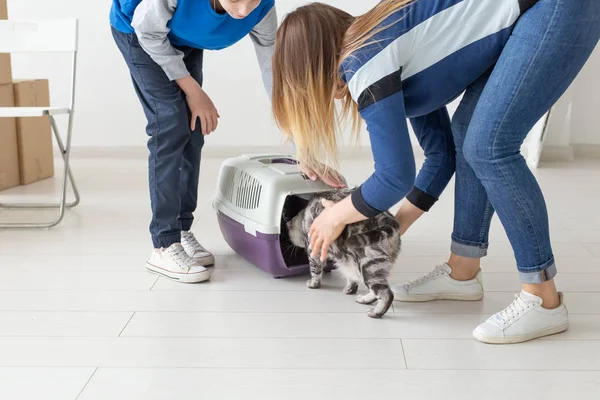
539	274
465	248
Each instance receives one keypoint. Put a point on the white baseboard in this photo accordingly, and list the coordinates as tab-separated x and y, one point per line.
107	152
208	151
586	150
557	154
142	151
549	154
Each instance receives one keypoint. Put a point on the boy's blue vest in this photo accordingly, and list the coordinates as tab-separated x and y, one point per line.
195	23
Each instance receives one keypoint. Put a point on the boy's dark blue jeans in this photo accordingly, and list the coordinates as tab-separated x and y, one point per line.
174	160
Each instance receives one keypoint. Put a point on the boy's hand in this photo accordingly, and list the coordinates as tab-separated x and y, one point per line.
201	106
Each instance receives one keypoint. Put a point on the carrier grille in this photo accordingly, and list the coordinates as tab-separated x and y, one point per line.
240	188
228	182
248	191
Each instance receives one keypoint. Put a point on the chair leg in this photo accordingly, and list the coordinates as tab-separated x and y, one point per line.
67	176
66	159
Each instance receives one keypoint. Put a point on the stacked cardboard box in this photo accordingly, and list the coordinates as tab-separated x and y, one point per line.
3	10
5	70
25	143
34	135
9	159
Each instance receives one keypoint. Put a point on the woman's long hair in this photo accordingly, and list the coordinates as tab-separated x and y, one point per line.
311	44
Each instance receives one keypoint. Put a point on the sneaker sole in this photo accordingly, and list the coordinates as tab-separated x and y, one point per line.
521	338
421	298
182	278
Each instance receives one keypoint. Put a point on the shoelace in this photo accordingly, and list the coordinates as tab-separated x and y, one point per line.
180	257
518	306
193	242
437	271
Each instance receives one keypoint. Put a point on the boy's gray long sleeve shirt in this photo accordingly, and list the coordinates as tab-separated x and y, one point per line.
150	22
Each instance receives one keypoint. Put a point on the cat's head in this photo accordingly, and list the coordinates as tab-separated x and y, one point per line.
299	226
297	229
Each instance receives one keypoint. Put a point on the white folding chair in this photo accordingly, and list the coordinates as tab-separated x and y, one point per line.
57	36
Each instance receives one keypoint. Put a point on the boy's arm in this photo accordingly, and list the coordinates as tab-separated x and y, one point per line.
263	36
150	22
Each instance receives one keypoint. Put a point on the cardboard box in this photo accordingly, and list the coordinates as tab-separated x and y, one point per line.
3	10
34	135
9	156
5	68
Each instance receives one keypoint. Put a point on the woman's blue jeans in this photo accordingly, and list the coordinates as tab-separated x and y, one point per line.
548	47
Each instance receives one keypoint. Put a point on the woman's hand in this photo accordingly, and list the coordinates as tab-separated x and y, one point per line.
332	178
324	230
201	106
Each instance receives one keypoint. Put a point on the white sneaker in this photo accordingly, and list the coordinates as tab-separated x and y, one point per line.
439	285
195	250
525	319
174	263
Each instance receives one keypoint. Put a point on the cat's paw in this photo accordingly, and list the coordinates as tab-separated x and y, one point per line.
312	284
351	288
373	314
366	299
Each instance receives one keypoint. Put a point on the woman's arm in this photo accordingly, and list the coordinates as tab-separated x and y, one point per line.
263	36
392	180
434	132
394	174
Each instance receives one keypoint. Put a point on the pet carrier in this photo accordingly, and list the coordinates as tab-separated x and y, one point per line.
256	194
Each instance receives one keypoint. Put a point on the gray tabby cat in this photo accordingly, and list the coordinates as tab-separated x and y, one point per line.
365	250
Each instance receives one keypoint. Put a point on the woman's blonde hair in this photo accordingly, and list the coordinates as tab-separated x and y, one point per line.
311	44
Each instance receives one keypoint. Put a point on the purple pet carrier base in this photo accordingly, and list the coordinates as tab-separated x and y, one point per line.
262	250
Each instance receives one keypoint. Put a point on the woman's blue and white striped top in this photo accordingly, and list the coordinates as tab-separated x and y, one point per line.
421	58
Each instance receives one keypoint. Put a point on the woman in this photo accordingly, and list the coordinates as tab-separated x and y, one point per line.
162	42
512	59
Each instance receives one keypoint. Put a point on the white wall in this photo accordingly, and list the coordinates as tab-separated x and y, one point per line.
574	119
107	110
585	109
109	115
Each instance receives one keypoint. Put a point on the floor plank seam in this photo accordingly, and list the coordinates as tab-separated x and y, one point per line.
86	383
236	368
152	287
127	324
291	338
403	354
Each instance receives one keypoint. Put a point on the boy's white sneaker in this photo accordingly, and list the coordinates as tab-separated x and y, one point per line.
195	250
439	285
174	263
524	319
